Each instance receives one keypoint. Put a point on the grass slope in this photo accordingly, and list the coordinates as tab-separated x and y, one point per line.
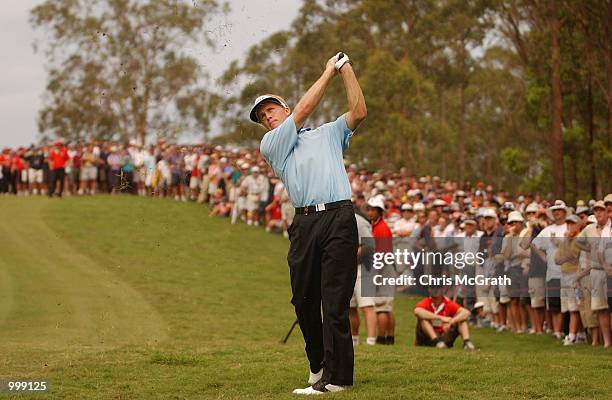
136	298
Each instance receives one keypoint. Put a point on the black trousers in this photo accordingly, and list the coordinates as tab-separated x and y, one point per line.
323	267
55	176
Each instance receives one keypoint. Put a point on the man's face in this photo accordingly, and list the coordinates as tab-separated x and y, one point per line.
490	223
559	216
433	217
373	213
470	229
609	209
600	215
272	114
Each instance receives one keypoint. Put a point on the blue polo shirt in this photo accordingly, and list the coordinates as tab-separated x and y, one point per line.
309	161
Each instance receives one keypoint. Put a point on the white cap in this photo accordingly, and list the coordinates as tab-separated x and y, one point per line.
418	207
488	213
439	203
533	207
406	207
377	201
266	97
559	205
515	216
508	206
255	169
582	209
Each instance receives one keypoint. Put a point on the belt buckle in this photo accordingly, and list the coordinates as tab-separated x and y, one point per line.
320	207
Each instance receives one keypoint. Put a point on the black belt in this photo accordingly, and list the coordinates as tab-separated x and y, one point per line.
322	207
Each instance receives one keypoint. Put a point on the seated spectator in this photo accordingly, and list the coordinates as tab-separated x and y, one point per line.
440	321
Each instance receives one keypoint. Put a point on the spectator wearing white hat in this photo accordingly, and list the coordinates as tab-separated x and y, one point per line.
491	245
536	278
254	185
384	302
515	257
404	226
589	240
359	301
567	256
468	242
546	244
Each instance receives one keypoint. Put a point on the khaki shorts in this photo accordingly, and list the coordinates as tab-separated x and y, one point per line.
588	317
358	300
537	292
252	202
568	294
35	175
383	304
140	174
491	305
194	182
89	173
599	290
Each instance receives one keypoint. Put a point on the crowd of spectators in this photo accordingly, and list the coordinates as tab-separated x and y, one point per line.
559	256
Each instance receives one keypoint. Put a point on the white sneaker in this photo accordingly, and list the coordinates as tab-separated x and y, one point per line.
312	391
558	335
569	341
314	378
441	345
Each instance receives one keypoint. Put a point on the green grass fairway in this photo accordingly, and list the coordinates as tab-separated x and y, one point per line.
132	298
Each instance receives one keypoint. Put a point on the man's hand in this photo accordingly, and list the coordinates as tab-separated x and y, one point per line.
331	65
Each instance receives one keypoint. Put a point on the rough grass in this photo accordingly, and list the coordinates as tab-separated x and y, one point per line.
136	298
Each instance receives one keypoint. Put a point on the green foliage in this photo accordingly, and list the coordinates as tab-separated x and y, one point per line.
117	70
454	88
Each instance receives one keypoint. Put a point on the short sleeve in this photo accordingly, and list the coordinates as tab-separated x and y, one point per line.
341	132
277	144
425	304
452	308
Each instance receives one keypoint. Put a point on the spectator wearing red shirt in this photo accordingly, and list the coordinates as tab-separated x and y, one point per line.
5	174
273	215
58	157
17	165
440	321
384	243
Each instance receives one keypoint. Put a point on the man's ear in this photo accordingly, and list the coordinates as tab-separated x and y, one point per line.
287	110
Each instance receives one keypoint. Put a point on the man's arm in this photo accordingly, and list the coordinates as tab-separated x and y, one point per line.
428	315
462	315
357	106
313	96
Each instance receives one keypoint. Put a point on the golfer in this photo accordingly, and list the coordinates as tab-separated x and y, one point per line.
323	253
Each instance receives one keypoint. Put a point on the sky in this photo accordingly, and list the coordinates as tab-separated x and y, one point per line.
23	75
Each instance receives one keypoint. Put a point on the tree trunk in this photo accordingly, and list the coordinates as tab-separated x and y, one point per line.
591	130
557	104
461	135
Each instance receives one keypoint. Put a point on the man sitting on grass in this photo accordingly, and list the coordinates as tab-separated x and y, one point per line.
440	321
